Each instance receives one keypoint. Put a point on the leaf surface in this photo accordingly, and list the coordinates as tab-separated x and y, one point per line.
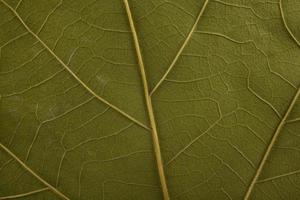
129	99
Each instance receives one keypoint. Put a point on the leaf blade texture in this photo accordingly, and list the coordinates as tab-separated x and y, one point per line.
149	99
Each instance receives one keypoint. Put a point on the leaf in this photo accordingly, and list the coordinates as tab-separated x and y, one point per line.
150	100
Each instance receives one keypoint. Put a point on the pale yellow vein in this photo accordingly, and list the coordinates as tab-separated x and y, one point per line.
285	24
187	39
270	146
278	176
148	100
25	194
27	168
282	122
72	73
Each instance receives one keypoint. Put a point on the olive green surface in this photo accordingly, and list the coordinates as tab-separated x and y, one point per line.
73	118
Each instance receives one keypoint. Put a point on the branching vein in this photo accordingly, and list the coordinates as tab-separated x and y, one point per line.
72	73
149	105
282	122
27	168
270	146
187	39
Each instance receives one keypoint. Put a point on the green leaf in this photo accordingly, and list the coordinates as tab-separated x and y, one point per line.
153	99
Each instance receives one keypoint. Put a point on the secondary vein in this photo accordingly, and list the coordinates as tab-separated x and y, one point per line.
72	73
181	48
148	100
27	168
25	194
271	144
286	25
282	122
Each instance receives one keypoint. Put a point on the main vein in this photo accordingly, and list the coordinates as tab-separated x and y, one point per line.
148	100
281	123
72	73
271	144
27	168
187	39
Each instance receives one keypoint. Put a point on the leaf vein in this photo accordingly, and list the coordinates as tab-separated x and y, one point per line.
25	194
72	73
149	106
27	168
187	39
270	145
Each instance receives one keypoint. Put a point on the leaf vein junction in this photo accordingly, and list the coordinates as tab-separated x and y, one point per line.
72	73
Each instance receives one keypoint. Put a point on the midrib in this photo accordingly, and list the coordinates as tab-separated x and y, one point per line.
149	106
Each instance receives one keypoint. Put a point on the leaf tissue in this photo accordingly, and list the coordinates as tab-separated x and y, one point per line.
150	100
